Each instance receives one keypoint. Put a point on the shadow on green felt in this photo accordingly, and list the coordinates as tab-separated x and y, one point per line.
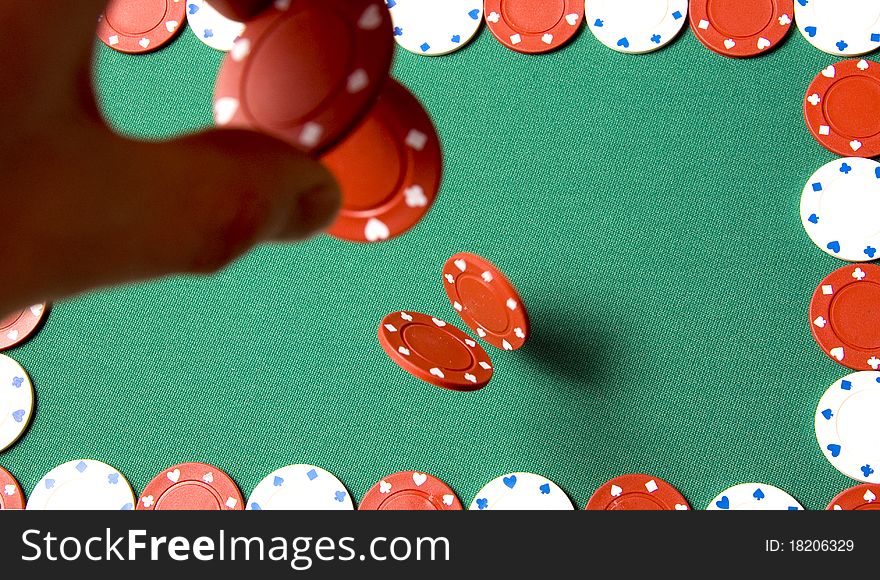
569	347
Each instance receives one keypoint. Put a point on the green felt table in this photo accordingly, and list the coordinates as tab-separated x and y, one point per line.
645	206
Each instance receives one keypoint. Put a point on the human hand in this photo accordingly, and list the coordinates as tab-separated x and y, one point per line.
84	208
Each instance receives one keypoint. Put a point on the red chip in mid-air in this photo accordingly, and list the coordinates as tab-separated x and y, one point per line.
389	169
306	71
137	26
436	352
486	301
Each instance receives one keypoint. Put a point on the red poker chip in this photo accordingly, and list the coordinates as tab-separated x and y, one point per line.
19	326
11	495
412	491
435	352
845	316
842	108
306	71
486	301
741	28
389	169
137	26
534	26
191	486
637	492
860	497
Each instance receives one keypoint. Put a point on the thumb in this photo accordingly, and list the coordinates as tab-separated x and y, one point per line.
123	211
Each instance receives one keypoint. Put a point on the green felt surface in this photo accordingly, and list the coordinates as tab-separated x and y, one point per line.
645	206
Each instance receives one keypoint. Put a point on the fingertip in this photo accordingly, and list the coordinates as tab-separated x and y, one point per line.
314	211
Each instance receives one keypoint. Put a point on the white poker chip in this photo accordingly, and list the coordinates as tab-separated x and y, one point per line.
300	487
16	401
521	491
636	26
211	27
847	428
83	484
840	209
840	27
754	496
435	27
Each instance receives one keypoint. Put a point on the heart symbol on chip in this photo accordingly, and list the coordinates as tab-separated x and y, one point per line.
172	25
855	144
681	507
437	373
403	350
481	332
547	38
448	499
461	265
37	309
729	43
145	43
763	43
208	478
12	335
616	491
376	231
419	478
572	19
837	353
510	481
723	503
174	476
829	71
384	487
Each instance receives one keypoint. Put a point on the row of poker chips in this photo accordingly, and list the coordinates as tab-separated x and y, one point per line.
92	485
730	28
439	27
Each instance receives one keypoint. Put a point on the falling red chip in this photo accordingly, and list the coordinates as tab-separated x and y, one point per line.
191	486
434	351
410	490
845	316
389	169
18	326
741	28
11	495
842	108
136	26
637	492
534	26
486	301
860	497
306	71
